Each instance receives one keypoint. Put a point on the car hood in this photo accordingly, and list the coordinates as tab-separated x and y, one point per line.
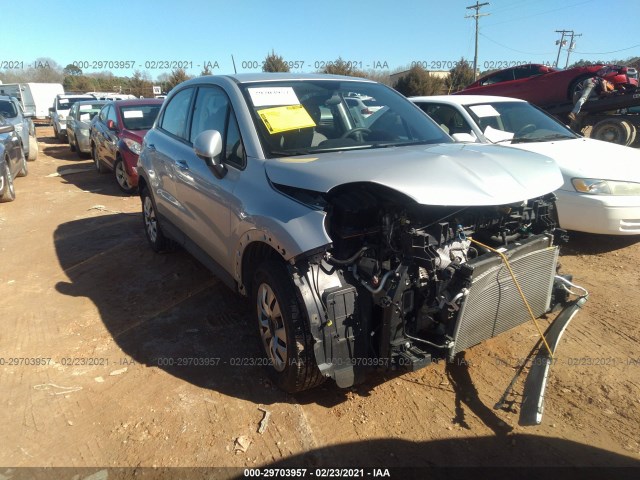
443	174
589	158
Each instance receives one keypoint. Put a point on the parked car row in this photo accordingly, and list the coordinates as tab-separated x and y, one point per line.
111	132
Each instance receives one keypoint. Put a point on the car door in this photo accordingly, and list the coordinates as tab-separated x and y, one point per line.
110	137
98	128
163	147
207	199
71	123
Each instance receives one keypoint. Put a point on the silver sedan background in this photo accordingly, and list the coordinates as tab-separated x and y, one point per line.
78	124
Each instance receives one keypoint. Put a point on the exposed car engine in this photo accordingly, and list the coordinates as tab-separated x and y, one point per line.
409	270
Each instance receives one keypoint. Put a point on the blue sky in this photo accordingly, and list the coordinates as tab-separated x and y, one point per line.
385	34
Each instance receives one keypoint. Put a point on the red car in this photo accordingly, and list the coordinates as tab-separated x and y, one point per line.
544	85
116	138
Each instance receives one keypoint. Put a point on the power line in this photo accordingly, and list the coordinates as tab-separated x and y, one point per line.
606	53
477	15
513	49
512	20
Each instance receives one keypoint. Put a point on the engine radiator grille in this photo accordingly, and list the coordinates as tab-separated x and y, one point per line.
493	303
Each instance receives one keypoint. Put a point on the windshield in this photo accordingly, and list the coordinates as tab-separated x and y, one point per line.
8	109
296	117
66	103
516	122
139	117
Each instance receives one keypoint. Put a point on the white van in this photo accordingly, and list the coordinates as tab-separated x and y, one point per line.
35	98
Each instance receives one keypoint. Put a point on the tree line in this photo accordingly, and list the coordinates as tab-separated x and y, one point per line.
409	81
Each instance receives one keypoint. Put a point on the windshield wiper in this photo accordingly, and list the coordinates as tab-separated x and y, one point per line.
555	136
289	153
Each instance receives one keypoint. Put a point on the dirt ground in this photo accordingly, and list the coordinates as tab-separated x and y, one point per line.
94	324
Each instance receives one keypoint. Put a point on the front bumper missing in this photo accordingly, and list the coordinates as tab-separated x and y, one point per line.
536	382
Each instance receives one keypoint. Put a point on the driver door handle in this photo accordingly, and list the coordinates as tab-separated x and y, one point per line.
182	164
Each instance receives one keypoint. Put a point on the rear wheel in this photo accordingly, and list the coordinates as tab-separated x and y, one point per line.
72	145
284	329
157	240
7	191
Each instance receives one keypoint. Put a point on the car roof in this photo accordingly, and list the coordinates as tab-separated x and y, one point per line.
280	76
135	102
74	95
465	99
89	101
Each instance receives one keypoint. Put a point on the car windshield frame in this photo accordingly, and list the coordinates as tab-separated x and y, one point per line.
523	114
317	108
136	122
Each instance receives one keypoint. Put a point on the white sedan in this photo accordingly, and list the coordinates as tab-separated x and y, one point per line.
601	190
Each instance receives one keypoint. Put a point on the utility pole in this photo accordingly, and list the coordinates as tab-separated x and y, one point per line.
572	46
477	15
561	43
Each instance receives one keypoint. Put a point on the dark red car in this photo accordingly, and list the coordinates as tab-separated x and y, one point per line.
544	85
116	138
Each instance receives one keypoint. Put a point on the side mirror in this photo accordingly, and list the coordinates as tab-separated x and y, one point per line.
208	146
7	128
111	125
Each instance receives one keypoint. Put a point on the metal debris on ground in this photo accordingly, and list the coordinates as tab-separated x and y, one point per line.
265	420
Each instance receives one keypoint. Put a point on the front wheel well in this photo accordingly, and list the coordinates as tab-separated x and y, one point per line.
254	255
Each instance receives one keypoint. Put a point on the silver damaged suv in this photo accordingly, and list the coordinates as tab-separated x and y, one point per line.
362	243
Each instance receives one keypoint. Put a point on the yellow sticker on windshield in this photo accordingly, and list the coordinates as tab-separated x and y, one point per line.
283	119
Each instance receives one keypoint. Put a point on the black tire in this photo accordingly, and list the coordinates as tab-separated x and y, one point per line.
100	167
7	190
283	329
614	131
33	149
158	242
122	178
72	146
24	169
